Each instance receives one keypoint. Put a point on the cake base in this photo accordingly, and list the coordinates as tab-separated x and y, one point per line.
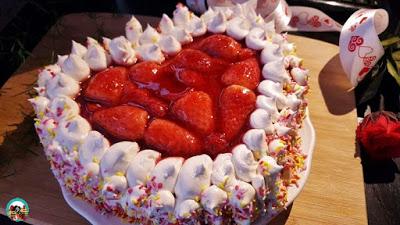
307	133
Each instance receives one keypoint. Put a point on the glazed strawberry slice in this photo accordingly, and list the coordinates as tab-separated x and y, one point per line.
195	109
245	73
93	107
198	61
144	72
171	139
190	78
106	87
216	144
143	97
236	104
224	47
122	122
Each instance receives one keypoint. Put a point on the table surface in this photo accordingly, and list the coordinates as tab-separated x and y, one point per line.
334	193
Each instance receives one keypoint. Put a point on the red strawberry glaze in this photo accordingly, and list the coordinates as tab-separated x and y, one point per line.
184	91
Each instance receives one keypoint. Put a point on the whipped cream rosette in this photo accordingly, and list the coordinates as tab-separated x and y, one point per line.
195	154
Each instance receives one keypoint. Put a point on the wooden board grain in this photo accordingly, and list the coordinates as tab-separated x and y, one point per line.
334	193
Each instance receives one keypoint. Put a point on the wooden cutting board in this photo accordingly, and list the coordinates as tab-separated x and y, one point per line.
334	193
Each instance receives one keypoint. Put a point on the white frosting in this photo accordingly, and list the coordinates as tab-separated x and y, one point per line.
278	39
151	52
45	128
71	133
140	167
269	104
63	107
267	166
300	75
149	36
162	204
241	195
122	52
277	147
269	27
133	30
286	115
106	45
76	67
196	26
239	10
180	34
261	119
169	44
113	188
96	57
256	39
78	49
255	140
281	130
194	177
61	59
274	90
166	25
40	105
47	74
165	174
41	91
223	173
293	102
258	183
117	158
185	208
243	162
208	15
217	24
228	12
93	148
181	16
91	169
91	41
293	61
133	200
238	28
275	71
270	53
213	198
288	48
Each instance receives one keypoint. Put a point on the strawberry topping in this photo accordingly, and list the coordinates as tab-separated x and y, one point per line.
172	139
106	87
236	104
245	73
196	109
122	122
195	102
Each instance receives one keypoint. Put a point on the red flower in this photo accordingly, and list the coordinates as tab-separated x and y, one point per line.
379	135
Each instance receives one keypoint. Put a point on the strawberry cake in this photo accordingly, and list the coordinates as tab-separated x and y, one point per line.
195	121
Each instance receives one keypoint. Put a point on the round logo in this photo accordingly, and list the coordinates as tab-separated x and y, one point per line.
17	209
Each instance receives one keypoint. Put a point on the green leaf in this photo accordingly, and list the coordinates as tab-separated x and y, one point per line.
392	69
396	55
390	41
